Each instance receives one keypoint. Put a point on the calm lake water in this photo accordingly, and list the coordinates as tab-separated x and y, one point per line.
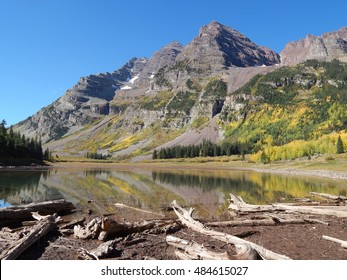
207	191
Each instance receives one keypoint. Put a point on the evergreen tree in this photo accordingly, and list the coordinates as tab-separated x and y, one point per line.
2	137
155	154
339	146
16	148
47	155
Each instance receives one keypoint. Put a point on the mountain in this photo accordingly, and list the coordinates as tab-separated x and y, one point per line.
218	88
218	47
329	46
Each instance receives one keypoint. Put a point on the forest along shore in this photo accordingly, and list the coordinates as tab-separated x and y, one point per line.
307	229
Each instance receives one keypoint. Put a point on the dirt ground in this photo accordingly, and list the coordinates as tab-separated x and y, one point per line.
297	241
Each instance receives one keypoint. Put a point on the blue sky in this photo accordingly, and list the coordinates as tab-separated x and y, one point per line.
46	45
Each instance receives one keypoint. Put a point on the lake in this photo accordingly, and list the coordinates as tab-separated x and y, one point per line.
154	190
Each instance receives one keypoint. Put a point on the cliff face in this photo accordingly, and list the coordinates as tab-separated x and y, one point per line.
329	46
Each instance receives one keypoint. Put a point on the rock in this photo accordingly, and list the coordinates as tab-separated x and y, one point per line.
329	46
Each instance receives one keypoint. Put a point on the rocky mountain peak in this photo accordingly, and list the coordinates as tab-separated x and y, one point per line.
218	47
329	46
216	29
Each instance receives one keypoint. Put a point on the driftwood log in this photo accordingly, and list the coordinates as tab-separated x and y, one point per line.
186	218
19	213
190	250
73	223
42	227
337	198
333	239
101	228
269	221
239	206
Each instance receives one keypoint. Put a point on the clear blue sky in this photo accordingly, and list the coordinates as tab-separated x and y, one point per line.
46	45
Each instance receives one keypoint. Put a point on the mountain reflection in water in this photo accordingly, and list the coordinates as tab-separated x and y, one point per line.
207	191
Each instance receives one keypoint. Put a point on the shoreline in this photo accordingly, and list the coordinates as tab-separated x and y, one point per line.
301	169
284	168
336	175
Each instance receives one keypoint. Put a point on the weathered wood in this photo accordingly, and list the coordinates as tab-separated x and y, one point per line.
103	227
245	252
262	222
38	217
104	250
195	251
333	239
91	230
337	211
73	223
19	213
293	221
237	206
86	255
186	219
121	205
39	230
268	220
329	196
315	221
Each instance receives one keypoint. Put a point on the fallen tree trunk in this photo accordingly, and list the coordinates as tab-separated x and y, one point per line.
186	218
337	211
39	230
333	239
329	196
262	222
194	251
237	206
23	212
271	221
103	227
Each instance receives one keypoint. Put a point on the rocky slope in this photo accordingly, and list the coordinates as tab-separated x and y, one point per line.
86	102
329	46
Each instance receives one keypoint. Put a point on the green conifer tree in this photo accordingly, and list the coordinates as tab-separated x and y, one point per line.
339	146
